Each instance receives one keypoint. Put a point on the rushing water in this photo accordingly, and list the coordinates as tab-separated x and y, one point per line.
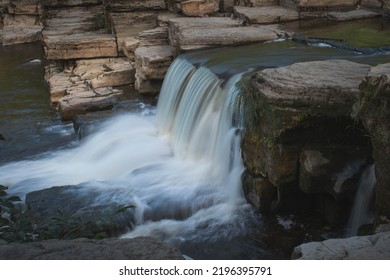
362	210
179	164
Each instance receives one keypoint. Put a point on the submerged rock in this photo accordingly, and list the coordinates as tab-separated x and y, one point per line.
76	203
139	248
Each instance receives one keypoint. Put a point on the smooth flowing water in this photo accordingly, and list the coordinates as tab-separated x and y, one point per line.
179	164
362	211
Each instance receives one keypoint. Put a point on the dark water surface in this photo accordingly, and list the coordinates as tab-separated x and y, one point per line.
27	122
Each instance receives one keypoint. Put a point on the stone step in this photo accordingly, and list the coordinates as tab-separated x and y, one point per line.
352	15
262	15
127	26
75	33
151	63
198	38
81	45
154	37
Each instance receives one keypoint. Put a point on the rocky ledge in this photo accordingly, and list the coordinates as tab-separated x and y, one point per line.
302	149
139	248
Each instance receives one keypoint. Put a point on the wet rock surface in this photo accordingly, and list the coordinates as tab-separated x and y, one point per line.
140	248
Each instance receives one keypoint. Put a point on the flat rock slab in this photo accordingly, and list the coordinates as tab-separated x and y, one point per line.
82	45
319	83
197	33
261	15
227	36
21	34
373	247
352	15
139	248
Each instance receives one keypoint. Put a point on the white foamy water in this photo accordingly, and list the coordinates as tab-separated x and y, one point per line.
181	168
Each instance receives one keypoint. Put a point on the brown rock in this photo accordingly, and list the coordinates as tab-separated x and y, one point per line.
199	8
80	46
80	100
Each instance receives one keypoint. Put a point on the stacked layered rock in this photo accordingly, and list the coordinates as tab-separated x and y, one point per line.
372	109
301	148
21	21
152	60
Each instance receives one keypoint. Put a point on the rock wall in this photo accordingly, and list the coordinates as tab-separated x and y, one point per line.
301	149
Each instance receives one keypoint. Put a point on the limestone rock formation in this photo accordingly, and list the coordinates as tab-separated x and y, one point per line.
196	33
139	248
199	8
21	21
301	121
372	109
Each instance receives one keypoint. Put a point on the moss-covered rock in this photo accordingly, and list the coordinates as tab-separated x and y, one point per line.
300	137
373	109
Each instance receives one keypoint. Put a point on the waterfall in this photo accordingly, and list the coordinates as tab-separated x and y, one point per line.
362	210
179	164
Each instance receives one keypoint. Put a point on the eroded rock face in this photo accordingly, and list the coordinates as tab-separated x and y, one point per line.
263	15
139	248
373	110
304	134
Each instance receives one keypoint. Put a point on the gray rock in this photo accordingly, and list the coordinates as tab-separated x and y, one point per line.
140	248
373	247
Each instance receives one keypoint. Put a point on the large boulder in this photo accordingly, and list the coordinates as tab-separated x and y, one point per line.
198	33
372	109
139	248
300	137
